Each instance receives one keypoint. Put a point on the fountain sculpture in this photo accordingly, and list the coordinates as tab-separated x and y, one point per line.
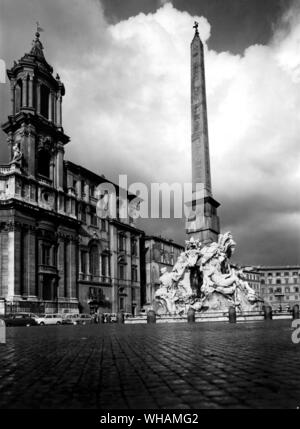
203	279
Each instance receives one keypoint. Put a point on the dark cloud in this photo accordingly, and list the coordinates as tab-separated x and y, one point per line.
237	23
127	104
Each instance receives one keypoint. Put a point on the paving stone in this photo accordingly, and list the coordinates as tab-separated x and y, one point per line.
151	366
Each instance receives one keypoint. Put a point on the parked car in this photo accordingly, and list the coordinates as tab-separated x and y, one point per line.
49	319
20	319
77	319
70	318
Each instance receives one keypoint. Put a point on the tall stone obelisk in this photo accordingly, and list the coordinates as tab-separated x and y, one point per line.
203	224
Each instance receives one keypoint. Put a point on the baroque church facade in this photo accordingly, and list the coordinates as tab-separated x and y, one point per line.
56	253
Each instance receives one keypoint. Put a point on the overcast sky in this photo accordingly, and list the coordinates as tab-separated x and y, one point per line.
126	69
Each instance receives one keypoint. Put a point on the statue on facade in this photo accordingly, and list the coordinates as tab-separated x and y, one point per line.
203	279
17	154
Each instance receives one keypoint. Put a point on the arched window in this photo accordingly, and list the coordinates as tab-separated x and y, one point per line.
94	260
45	101
44	163
18	96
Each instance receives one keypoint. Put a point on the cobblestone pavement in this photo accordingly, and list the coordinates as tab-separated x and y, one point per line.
203	365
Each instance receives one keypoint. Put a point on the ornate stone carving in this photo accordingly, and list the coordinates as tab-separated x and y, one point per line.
45	143
203	279
17	155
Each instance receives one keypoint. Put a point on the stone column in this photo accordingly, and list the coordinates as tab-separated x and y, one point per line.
87	263
30	91
11	263
38	97
12	100
54	289
50	113
232	314
87	192
79	261
268	312
151	316
59	166
52	169
72	280
31	146
78	188
31	262
24	94
23	262
61	267
59	110
40	286
107	258
18	274
191	316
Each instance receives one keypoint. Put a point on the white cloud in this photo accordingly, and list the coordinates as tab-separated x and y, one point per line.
127	105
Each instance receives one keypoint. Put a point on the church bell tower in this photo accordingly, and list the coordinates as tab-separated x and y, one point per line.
35	134
203	223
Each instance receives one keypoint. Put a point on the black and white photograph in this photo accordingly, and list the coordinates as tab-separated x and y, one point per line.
149	208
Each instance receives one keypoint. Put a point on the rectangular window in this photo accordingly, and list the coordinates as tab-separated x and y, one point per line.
122	303
92	293
295	280
83	215
134	276
296	289
103	225
104	265
278	274
295	273
46	255
134	246
133	294
93	216
121	269
83	261
92	190
122	242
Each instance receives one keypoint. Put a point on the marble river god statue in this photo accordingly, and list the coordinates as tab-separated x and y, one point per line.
203	279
